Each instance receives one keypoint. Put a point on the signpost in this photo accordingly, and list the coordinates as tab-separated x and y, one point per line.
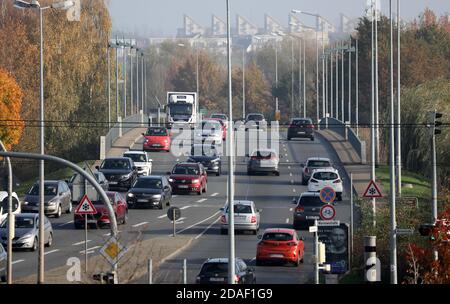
113	251
406	231
84	208
174	214
372	191
327	195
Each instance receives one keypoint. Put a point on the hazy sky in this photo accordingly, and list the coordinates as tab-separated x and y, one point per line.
165	16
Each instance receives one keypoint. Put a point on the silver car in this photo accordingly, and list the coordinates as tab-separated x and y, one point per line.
313	163
2	264
27	232
246	217
57	198
263	160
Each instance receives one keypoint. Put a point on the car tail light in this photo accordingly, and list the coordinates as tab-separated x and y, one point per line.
223	219
291	126
253	220
313	181
310	126
300	209
337	181
254	158
291	244
237	278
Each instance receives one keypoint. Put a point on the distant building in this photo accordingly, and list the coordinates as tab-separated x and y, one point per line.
245	27
272	26
219	27
191	28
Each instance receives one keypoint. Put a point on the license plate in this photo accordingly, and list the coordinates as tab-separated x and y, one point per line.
217	279
240	217
156	145
183	187
142	200
312	217
276	255
113	183
300	132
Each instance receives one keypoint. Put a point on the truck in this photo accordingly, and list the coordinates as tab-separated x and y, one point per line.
182	108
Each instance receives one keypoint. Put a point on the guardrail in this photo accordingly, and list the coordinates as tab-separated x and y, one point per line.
118	130
346	132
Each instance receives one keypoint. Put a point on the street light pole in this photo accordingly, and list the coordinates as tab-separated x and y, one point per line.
117	84
323	71
337	83
124	74
109	87
142	81
131	82
343	87
377	114
399	117
350	83
137	81
304	79
331	84
372	111
357	90
292	77
243	83
317	71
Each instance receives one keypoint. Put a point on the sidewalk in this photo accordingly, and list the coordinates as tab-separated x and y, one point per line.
349	159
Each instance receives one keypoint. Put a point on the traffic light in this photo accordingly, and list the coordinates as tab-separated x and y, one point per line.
434	122
427	230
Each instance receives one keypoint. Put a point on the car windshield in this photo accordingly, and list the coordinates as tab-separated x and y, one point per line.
220	116
180	109
186	170
116	164
312	201
325	176
156	132
263	154
319	163
20	222
49	189
239	208
255	117
214	268
148	183
301	122
137	158
277	236
110	196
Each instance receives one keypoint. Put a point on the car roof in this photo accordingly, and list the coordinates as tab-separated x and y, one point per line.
328	169
282	230
265	149
135	152
318	158
27	215
117	158
249	203
301	118
219	260
310	194
49	181
186	164
151	177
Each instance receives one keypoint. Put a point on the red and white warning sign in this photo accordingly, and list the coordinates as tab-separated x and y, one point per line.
372	191
85	207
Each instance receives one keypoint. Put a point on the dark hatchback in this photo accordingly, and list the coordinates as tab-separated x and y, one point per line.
301	128
208	156
120	172
307	210
215	271
150	191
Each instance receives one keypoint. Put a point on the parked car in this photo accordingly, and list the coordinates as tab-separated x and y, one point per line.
78	189
312	164
328	177
157	139
188	177
101	218
307	210
208	131
215	271
263	160
150	191
246	217
120	172
142	162
301	128
280	245
57	198
26	232
16	208
223	124
3	261
255	121
208	156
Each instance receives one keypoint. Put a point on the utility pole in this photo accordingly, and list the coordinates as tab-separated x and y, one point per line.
337	82
117	83
142	81
350	50
399	117
317	70
342	84
137	81
372	111
9	256
357	89
131	82
243	83
124	73
377	113
323	71
109	86
391	161
292	78
331	84
300	77
304	79
145	88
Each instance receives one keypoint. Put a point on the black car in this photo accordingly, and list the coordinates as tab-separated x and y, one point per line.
215	271
150	191
301	128
120	172
307	210
208	156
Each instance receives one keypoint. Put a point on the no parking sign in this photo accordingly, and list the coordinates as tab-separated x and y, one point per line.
327	195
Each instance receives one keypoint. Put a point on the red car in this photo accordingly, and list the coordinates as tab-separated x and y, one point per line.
188	177
223	124
280	245
101	218
157	139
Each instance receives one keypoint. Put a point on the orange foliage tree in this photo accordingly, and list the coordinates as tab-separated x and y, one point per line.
11	123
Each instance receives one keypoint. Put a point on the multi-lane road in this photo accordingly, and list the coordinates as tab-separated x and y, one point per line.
200	219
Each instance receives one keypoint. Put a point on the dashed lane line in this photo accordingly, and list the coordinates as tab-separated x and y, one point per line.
17	262
80	243
90	249
202	200
214	194
185	207
162	216
52	251
204	231
193	225
140	224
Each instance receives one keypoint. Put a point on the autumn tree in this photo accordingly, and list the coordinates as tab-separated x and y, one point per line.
10	108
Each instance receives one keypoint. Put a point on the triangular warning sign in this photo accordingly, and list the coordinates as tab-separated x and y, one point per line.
372	191
85	207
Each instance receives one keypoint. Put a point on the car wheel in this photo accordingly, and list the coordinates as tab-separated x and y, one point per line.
255	232
59	212
218	172
69	210
296	263
223	231
50	240
302	260
288	138
3	279
339	197
277	173
259	262
200	192
249	172
160	206
78	226
312	138
35	244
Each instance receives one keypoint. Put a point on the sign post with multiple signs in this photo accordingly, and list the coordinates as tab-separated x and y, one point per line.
84	208
327	195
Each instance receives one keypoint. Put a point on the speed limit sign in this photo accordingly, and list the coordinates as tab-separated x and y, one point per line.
327	212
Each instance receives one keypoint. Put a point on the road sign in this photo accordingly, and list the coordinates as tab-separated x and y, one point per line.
174	211
329	223
312	229
372	191
85	207
327	212
113	251
407	231
327	195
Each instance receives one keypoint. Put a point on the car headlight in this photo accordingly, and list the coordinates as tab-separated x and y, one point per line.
157	196
171	180
26	236
52	203
130	195
166	141
25	203
195	181
126	176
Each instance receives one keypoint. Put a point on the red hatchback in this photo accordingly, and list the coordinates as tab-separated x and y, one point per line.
157	139
280	245
101	218
188	177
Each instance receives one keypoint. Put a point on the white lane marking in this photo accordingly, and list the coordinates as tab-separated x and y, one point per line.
140	224
293	190
290	174
178	159
60	225
214	194
289	167
204	231
52	251
185	207
193	225
90	249
287	221
80	243
290	209
162	216
17	262
174	196
285	154
287	160
179	221
292	181
201	200
108	234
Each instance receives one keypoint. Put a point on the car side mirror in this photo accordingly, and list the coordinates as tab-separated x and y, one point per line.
259	237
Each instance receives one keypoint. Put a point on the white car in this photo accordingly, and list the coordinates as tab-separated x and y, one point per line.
209	131
141	161
246	217
327	177
4	205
